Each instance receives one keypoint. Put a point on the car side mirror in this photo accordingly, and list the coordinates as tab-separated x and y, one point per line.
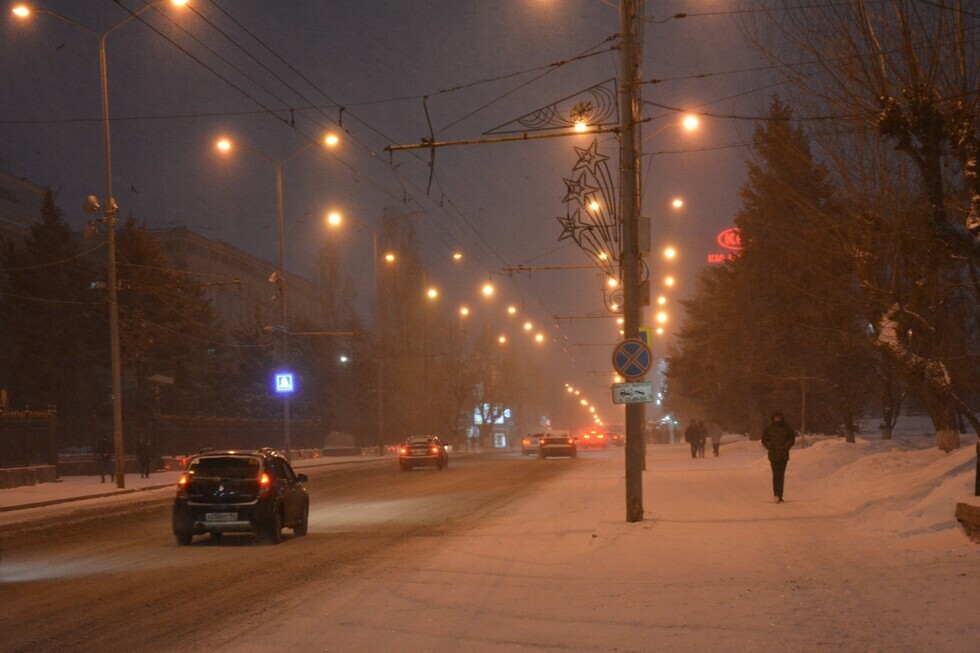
303	478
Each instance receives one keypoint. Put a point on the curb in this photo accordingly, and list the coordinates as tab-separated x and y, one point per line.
102	495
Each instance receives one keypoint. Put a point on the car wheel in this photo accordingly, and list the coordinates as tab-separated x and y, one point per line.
273	531
300	529
184	537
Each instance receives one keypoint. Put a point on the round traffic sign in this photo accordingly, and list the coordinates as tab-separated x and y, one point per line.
632	358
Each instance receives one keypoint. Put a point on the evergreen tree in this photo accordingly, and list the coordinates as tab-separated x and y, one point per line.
167	328
53	320
782	320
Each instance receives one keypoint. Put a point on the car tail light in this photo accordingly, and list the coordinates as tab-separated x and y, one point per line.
403	451
434	450
182	486
571	441
265	484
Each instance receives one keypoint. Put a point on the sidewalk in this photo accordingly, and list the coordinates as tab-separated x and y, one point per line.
79	488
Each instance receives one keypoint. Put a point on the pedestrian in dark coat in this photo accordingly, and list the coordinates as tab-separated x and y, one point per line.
144	455
103	454
691	437
778	438
702	438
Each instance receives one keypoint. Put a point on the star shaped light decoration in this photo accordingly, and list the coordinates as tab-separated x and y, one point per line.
578	189
589	157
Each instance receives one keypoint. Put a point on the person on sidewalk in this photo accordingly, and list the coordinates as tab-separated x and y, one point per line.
715	438
691	437
702	438
144	456
778	438
103	453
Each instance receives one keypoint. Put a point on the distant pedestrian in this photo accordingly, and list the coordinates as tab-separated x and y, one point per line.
691	437
715	438
144	455
103	453
778	438
702	438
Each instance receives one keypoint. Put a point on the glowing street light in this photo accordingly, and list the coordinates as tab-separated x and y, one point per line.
691	122
502	339
662	317
661	300
677	203
334	219
464	311
539	337
511	310
432	293
528	326
487	290
669	281
670	252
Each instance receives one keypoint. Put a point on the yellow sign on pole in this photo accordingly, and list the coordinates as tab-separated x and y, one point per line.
646	335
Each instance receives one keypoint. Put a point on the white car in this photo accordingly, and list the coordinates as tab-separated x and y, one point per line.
530	443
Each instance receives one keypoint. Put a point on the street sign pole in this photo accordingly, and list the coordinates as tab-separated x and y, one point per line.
630	260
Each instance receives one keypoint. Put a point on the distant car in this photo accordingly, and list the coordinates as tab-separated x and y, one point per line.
555	444
531	443
423	451
240	492
593	440
615	439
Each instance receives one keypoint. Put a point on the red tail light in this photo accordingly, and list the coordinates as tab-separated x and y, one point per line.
265	484
434	450
403	451
182	486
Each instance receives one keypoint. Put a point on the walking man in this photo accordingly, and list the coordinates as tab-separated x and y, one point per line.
778	438
103	453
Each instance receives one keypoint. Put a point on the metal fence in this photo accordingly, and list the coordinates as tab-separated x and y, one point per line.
28	438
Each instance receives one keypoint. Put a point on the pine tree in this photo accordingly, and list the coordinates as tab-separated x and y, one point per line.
52	319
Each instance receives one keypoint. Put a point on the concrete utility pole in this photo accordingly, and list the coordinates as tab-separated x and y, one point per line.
629	154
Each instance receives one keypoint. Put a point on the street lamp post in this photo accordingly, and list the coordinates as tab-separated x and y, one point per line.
334	220
109	210
282	327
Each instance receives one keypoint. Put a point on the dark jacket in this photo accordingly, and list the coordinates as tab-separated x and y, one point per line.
778	438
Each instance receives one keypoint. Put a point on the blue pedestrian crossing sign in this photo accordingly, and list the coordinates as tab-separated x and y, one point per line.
284	382
632	358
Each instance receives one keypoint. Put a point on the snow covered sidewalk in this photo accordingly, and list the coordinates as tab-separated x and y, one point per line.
863	556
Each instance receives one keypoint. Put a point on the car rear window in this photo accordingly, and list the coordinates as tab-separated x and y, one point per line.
224	467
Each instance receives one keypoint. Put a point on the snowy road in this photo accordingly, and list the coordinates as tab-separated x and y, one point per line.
476	559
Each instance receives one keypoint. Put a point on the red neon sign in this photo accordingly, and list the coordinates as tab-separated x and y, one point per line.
730	239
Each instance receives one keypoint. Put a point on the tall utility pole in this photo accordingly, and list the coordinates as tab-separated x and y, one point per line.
629	153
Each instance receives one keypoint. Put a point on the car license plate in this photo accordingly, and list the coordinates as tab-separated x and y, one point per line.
420	452
221	516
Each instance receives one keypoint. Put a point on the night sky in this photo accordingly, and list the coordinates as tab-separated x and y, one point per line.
177	84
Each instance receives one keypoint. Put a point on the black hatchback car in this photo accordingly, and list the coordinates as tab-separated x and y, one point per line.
240	492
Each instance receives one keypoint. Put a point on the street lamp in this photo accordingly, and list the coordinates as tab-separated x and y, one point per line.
109	212
226	145
335	219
